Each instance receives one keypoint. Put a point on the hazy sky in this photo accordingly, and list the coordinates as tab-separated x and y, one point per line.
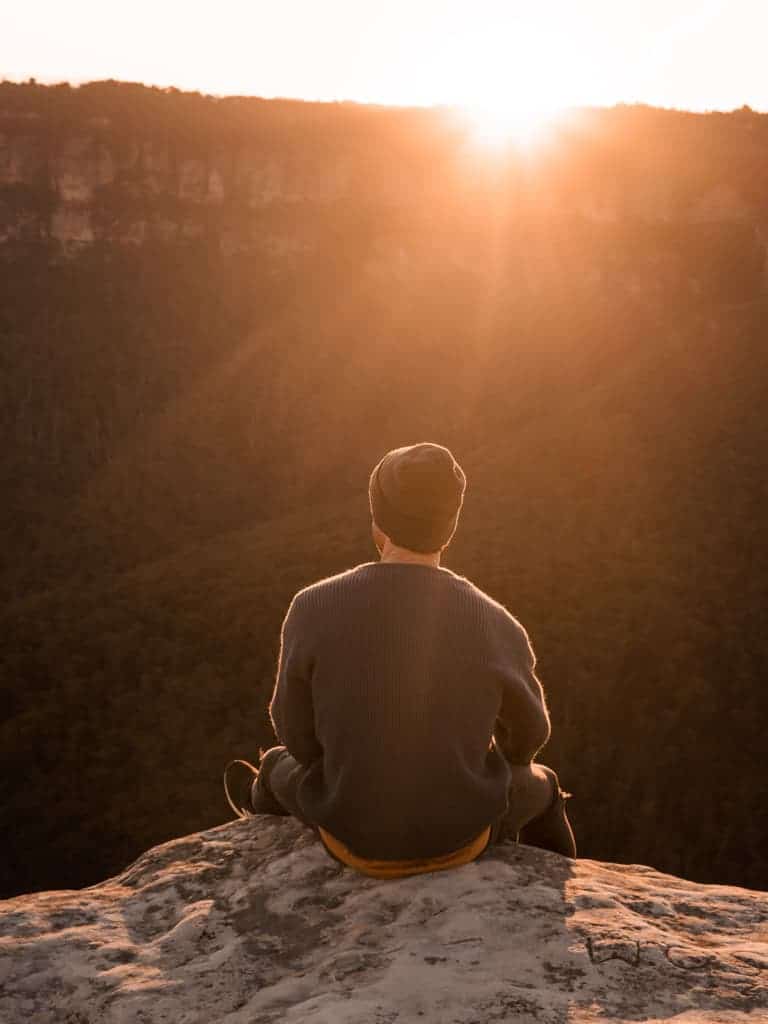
696	54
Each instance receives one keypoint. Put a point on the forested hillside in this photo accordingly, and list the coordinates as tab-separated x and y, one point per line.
190	413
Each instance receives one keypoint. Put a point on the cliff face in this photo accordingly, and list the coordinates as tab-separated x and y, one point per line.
252	921
78	167
88	188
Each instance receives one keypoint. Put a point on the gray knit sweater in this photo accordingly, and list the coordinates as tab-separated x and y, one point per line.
391	680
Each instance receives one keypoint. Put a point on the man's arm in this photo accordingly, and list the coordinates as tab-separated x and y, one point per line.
291	708
522	727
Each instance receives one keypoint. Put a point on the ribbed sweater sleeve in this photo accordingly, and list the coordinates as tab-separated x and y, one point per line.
291	708
523	726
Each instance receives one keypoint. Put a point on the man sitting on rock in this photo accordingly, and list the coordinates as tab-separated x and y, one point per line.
406	700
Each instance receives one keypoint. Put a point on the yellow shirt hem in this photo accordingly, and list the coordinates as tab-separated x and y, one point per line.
402	868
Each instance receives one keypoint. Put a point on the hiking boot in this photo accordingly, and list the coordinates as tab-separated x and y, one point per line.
262	799
248	791
552	829
237	787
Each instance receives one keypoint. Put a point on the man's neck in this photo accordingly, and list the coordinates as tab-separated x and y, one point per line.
392	553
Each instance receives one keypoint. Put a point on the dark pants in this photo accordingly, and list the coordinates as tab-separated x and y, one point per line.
535	813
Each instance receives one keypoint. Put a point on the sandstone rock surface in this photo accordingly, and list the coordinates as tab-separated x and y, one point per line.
252	923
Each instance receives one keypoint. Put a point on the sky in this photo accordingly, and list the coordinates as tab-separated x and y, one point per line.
500	54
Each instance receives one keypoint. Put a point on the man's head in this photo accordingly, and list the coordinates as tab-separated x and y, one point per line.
416	494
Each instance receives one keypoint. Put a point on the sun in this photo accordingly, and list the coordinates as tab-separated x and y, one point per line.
512	77
496	127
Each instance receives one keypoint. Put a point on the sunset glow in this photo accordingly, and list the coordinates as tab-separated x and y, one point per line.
507	56
496	127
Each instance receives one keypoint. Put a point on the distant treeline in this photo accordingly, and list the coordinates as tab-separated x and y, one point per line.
187	438
648	163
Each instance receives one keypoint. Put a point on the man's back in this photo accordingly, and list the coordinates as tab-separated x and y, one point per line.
391	679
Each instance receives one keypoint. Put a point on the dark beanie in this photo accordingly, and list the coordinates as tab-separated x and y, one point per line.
416	494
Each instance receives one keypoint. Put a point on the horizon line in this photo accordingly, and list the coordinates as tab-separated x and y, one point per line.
75	83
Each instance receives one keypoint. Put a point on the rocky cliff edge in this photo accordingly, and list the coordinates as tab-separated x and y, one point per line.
252	923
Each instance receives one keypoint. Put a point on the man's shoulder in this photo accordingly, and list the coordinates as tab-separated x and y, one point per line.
346	583
492	607
470	590
328	584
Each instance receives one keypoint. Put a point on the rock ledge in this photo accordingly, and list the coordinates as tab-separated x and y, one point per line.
252	923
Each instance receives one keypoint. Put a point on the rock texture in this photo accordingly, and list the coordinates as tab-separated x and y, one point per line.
252	923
